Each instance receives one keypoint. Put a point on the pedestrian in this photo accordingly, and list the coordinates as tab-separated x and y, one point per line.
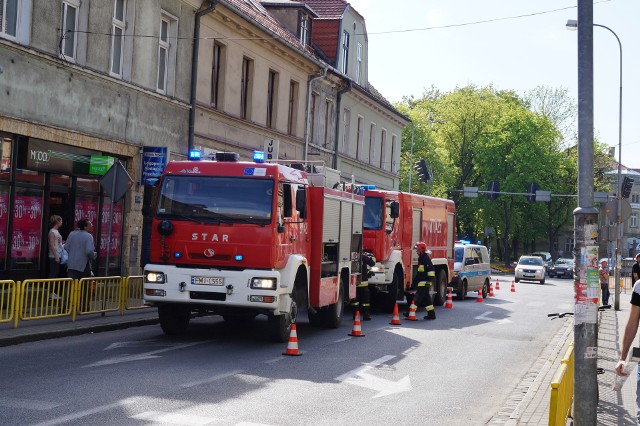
603	273
55	246
81	250
635	269
628	337
423	281
362	302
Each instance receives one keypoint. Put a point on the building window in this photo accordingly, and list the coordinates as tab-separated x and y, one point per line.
312	117
217	74
359	136
394	149
345	52
383	149
245	88
568	247
359	63
272	98
633	220
167	53
117	36
292	114
346	123
69	27
9	18
635	198
372	143
328	119
304	29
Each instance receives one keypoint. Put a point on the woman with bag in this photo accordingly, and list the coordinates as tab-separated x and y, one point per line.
56	255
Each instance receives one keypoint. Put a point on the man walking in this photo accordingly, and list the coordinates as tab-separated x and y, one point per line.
603	273
423	280
81	250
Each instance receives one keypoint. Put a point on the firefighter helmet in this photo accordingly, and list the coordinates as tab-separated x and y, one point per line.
421	247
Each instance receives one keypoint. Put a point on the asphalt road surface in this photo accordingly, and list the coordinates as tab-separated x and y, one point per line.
457	370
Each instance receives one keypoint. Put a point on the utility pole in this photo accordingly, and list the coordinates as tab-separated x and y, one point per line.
585	235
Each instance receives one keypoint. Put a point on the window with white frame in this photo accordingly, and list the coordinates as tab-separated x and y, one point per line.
633	220
292	114
345	52
372	143
9	18
69	29
328	119
304	29
383	149
217	74
568	246
358	63
313	118
346	129
167	53
272	98
394	149
246	85
117	36
635	198
359	136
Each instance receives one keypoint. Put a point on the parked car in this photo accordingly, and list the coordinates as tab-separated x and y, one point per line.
471	269
563	267
546	259
530	268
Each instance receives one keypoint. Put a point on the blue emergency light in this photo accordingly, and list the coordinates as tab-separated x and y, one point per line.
195	155
238	257
368	187
177	254
258	156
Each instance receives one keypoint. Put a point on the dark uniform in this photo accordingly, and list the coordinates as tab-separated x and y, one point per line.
423	281
362	301
635	270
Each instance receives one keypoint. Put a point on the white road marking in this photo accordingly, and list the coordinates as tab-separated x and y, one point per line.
29	404
211	379
85	413
173	418
139	357
359	377
485	317
139	344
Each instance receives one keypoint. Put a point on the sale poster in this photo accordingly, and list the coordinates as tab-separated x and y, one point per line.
116	230
27	217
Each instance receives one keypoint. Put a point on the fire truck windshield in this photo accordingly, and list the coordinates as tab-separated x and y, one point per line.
372	213
216	199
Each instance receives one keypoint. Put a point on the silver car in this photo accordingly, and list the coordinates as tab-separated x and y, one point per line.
530	268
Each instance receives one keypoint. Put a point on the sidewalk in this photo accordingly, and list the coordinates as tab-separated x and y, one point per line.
529	404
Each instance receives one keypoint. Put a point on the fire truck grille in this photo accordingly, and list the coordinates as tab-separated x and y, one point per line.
219	257
200	295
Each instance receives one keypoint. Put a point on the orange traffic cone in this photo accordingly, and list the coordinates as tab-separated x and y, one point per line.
513	287
449	303
412	312
480	299
497	284
491	290
292	346
396	317
357	329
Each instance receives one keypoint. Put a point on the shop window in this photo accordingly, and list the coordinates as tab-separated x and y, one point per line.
27	229
88	185
4	218
113	240
30	177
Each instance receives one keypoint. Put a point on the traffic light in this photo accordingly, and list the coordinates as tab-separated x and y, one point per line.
492	191
423	173
531	191
627	184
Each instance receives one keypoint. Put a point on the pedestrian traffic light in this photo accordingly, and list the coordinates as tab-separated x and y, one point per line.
627	184
531	191
423	173
493	190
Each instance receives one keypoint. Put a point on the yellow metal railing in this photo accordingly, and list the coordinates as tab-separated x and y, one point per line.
50	298
561	397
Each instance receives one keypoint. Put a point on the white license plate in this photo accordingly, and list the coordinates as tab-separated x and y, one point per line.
529	275
207	280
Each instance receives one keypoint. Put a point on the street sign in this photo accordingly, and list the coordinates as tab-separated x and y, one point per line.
116	182
611	209
471	191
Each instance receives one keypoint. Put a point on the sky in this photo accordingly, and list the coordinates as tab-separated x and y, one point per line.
416	44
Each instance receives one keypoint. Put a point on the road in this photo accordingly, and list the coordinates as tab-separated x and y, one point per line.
457	370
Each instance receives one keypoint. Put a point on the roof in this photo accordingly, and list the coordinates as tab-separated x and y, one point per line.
289	3
328	9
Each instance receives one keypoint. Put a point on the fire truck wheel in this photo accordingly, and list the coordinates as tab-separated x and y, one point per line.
441	289
332	315
461	292
280	325
174	319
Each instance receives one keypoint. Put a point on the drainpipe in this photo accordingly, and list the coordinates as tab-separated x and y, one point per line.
342	91
308	117
194	70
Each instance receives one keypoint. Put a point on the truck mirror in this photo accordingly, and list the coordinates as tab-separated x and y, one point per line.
301	202
395	209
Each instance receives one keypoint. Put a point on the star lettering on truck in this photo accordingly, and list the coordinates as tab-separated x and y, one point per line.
204	237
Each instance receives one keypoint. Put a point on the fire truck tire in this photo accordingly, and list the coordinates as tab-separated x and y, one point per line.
332	314
461	292
441	289
174	319
280	325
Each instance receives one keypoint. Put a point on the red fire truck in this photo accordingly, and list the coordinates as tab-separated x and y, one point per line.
239	239
393	223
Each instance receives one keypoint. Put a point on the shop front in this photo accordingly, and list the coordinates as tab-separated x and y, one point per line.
39	179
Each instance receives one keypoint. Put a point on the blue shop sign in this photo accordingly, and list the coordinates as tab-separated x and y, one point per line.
154	159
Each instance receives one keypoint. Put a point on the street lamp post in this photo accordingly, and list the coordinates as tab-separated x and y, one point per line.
572	24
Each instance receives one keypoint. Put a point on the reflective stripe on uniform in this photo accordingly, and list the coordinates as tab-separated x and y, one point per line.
420	268
365	284
430	308
431	273
423	284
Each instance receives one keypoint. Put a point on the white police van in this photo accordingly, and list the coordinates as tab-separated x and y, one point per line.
471	270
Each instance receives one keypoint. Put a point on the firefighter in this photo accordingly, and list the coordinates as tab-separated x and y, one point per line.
362	301
423	281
